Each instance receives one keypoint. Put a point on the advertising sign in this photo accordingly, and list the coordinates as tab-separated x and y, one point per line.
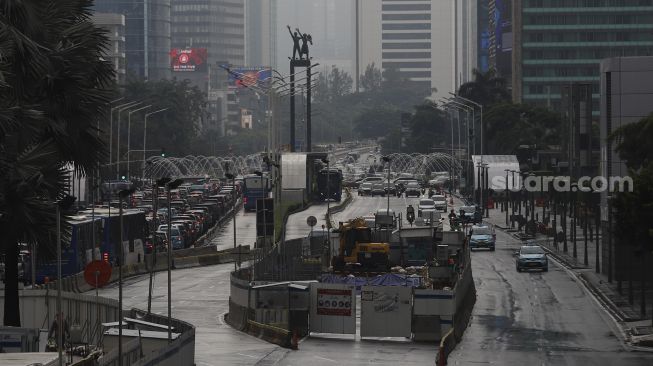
188	59
333	302
243	77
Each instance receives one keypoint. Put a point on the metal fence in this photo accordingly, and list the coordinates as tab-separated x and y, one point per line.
285	262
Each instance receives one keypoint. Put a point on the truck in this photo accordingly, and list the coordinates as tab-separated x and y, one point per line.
329	184
357	252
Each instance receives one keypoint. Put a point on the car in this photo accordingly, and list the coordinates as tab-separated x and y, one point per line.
470	214
531	257
378	189
425	204
177	239
413	189
365	189
482	237
390	188
440	202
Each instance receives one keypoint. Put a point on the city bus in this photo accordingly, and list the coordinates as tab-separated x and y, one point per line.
254	187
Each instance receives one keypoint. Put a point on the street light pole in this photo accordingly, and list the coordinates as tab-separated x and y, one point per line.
233	196
119	108
118	145
121	196
172	185
145	136
129	132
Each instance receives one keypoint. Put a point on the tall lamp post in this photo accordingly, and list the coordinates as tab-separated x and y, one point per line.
118	137
62	205
387	160
328	196
155	218
172	185
119	108
233	196
129	133
145	135
122	195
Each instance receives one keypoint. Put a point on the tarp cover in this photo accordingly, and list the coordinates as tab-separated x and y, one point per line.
388	279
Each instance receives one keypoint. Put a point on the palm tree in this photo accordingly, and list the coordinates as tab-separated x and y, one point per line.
486	89
53	86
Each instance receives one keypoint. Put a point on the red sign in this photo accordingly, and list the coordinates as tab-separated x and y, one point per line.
97	273
334	302
188	59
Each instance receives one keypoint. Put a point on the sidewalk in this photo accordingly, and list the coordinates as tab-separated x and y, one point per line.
636	325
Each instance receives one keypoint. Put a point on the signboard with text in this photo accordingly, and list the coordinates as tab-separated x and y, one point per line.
333	308
188	59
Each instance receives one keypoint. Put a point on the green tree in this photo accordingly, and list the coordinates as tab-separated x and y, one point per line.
429	129
53	84
486	89
372	78
178	127
509	125
634	209
376	122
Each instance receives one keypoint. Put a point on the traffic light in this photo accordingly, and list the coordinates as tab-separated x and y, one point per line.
163	152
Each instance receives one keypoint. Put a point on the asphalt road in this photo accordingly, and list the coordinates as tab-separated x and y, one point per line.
535	318
200	296
519	318
245	231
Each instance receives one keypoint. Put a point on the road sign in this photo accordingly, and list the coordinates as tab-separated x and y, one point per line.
311	221
97	273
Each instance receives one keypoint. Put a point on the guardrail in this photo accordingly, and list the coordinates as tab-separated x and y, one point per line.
339	208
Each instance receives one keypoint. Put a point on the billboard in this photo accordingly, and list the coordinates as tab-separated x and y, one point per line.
188	59
243	77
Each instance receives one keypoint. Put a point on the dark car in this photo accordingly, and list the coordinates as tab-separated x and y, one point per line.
482	237
531	257
365	189
378	189
390	188
413	189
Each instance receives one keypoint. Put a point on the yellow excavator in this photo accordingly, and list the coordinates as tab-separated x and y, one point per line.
357	252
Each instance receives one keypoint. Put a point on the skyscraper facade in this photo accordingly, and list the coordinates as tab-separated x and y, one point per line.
559	42
147	35
415	38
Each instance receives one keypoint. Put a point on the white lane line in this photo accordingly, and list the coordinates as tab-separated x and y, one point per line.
246	355
326	359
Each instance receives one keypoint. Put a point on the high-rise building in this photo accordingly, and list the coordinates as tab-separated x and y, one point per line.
147	35
261	33
114	24
559	42
500	38
415	38
216	28
626	97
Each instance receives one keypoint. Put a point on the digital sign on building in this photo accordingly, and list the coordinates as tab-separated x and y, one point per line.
188	59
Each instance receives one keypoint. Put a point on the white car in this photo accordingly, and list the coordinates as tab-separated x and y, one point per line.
440	202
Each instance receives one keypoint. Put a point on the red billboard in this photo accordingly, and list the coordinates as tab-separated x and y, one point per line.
188	59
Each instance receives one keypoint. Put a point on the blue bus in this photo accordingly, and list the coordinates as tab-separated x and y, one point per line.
254	187
80	249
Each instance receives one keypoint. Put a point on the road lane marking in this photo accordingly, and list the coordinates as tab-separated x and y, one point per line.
246	355
326	359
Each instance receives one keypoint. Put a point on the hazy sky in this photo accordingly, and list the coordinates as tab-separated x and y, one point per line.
330	22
